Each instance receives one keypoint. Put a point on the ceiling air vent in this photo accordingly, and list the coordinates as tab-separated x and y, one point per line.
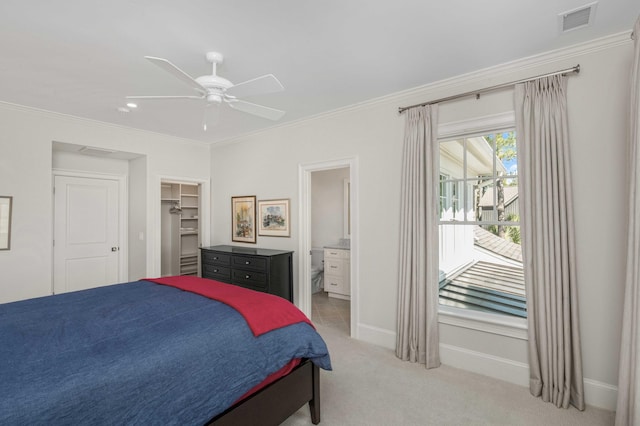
100	152
577	18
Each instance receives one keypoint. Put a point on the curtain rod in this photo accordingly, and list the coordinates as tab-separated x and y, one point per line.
575	69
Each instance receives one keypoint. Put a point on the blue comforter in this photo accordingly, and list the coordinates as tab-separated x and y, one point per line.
135	353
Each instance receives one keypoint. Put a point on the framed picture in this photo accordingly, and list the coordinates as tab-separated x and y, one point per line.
274	218
243	219
5	222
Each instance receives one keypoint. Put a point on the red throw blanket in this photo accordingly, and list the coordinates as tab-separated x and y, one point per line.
263	312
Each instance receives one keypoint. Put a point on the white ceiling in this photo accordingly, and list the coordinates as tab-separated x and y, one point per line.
82	57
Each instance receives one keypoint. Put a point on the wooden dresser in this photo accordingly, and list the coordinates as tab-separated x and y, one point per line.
259	269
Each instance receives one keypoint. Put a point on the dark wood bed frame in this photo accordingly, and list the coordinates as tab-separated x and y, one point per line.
275	403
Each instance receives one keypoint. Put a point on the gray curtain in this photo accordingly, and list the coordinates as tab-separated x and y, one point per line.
628	381
555	361
417	334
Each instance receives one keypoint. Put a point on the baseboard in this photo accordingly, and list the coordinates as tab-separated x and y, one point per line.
601	395
489	365
377	336
596	394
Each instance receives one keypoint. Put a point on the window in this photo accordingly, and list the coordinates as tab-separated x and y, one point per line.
479	233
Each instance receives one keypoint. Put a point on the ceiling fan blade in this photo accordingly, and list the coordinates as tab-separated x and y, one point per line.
165	97
177	72
257	86
259	110
210	116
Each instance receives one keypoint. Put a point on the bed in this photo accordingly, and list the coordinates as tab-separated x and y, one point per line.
177	350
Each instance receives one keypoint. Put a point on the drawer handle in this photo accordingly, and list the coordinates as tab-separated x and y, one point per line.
333	284
247	276
215	257
215	270
247	262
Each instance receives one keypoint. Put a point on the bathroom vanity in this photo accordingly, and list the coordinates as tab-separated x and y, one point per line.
337	272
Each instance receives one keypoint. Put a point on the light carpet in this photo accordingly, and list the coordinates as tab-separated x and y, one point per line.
370	386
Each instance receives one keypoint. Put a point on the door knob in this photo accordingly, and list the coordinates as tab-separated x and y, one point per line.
115	248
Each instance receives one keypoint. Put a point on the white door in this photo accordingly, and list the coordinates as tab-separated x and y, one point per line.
86	233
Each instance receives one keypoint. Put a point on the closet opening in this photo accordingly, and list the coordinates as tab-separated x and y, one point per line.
180	228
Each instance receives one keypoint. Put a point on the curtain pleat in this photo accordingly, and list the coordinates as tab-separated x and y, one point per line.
627	412
555	361
417	322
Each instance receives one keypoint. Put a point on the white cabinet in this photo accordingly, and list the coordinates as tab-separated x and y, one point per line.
337	273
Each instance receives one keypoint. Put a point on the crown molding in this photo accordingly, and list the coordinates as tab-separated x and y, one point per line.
88	121
498	74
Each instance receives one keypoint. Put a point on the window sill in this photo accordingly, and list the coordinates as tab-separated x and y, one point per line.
502	325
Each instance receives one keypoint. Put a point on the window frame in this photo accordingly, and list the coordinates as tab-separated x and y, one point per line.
503	325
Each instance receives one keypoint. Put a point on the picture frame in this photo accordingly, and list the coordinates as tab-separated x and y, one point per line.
6	203
274	218
243	219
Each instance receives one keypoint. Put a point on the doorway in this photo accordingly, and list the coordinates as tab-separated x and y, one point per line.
337	233
330	250
180	234
190	200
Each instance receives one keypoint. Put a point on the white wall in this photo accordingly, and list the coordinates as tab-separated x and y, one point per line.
327	206
26	174
373	133
137	218
63	160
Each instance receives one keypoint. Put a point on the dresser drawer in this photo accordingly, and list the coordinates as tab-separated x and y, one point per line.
251	279
250	263
215	258
216	272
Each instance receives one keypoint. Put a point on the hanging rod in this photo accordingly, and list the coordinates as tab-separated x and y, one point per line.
477	93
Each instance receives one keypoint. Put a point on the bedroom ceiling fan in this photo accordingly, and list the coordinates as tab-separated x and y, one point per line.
216	90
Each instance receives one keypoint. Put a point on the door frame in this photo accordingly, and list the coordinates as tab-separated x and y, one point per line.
304	220
154	247
123	224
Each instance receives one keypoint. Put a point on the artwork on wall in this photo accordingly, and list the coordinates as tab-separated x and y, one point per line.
243	219
5	222
273	218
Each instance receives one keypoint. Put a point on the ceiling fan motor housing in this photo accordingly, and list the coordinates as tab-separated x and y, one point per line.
214	82
215	85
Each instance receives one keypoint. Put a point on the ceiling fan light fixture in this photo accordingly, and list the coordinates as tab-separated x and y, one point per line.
214	98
